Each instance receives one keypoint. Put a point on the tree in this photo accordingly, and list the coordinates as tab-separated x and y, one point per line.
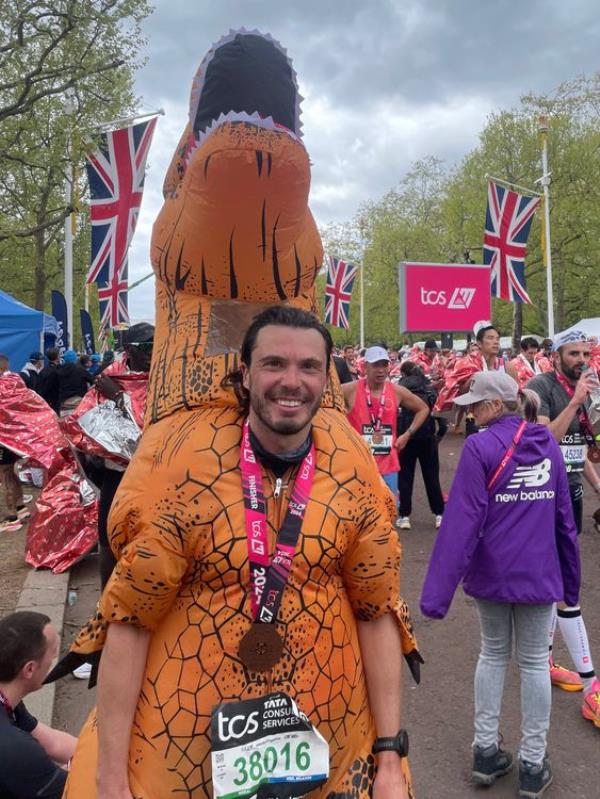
89	48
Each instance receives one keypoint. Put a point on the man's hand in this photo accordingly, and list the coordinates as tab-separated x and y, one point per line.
389	782
402	441
585	385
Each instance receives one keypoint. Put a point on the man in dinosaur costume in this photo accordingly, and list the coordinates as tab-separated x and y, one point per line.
235	235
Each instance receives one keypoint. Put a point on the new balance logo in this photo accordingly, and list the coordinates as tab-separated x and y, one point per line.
528	477
531	476
461	298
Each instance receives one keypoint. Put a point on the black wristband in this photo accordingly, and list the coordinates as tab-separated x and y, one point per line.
397	743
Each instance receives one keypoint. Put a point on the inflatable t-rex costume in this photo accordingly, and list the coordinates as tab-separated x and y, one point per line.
235	234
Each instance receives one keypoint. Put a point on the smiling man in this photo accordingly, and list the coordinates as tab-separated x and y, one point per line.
261	589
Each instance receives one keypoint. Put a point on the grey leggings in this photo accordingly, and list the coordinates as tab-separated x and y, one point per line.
530	624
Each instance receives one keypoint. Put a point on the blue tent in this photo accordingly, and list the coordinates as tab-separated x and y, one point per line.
22	330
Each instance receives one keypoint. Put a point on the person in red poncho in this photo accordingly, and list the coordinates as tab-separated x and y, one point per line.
458	379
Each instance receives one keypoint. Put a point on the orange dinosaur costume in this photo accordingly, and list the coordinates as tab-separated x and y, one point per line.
235	234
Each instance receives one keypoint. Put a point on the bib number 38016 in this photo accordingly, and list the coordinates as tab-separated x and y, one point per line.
266	747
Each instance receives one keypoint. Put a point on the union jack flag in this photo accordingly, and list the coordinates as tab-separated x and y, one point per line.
116	178
112	299
338	292
507	223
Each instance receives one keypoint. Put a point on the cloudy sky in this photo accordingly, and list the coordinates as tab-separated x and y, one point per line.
386	82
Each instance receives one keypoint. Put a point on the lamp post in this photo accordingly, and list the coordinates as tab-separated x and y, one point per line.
543	128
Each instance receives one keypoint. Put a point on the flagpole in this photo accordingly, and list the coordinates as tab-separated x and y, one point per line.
545	181
128	119
362	303
69	108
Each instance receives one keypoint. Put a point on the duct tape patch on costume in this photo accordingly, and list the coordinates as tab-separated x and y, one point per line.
266	747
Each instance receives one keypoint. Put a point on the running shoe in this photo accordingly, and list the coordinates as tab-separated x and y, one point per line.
437	522
10	525
403	523
489	764
83	672
590	708
565	679
27	498
23	512
534	778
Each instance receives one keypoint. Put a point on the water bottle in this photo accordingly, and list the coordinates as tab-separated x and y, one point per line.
593	409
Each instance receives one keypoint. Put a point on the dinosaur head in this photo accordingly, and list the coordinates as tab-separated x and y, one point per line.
235	232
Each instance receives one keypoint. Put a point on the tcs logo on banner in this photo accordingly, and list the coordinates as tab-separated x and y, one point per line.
461	298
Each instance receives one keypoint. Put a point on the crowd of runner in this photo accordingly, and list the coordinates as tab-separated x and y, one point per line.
508	529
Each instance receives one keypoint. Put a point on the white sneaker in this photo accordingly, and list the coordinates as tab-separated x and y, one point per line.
437	522
83	672
27	498
403	523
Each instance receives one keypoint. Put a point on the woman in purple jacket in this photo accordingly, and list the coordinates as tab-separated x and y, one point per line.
508	533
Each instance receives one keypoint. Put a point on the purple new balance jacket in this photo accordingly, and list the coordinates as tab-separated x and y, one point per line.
515	543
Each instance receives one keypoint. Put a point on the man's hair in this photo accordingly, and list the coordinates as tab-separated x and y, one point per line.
21	639
348	347
529	341
481	333
409	368
52	353
283	316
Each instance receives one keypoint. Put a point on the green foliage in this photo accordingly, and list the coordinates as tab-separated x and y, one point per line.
85	50
437	213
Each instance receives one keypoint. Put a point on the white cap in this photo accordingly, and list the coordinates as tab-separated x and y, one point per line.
490	386
480	325
374	354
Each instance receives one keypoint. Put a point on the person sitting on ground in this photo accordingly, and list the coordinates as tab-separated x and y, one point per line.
73	382
48	379
32	755
31	371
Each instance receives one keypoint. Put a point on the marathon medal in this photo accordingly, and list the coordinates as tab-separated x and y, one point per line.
376	438
262	646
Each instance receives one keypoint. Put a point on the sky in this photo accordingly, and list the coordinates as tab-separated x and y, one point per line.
385	82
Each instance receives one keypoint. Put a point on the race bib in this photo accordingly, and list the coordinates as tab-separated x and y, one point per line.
380	442
267	747
574	451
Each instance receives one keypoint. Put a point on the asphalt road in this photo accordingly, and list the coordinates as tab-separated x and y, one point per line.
439	712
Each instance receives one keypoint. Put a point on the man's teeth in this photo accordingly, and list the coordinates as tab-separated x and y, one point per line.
289	403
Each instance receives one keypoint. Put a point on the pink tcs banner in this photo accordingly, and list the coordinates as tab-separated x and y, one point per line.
443	297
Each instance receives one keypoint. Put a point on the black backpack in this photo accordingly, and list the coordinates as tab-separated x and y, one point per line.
421	388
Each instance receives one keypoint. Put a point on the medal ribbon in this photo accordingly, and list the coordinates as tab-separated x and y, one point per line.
269	578
582	417
375	421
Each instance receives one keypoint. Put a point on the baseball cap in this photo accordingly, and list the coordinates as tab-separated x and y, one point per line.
430	344
374	354
490	386
36	356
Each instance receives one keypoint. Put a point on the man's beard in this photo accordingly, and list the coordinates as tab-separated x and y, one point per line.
284	427
572	373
